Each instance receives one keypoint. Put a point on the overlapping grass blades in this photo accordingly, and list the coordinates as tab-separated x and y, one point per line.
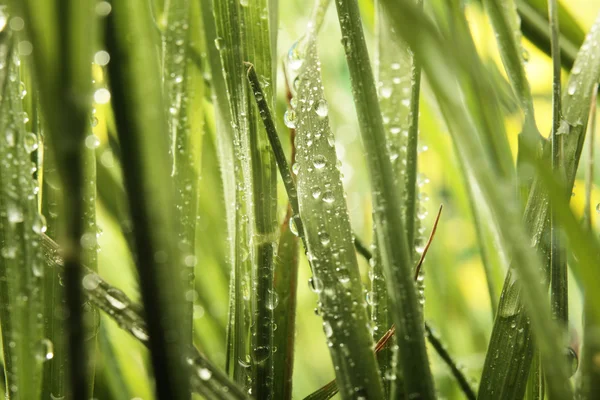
141	122
21	262
523	259
388	219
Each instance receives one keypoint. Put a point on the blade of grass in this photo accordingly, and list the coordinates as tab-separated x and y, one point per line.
286	285
413	362
534	24
62	55
21	267
559	295
176	80
256	38
141	123
206	378
589	383
526	263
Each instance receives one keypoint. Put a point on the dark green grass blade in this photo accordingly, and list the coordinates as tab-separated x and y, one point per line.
21	267
413	363
141	124
61	32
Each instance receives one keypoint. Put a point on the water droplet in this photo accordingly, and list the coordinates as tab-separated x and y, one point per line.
261	353
139	333
598	208
324	238
295	61
327	329
30	142
45	350
572	361
90	281
319	161
92	142
321	108
293	226
204	374
295	168
244	3
219	42
315	284
102	96
576	70
385	92
347	44
272	300
572	88
15	214
289	118
372	298
9	252
39	224
328	197
117	298
101	57
316	192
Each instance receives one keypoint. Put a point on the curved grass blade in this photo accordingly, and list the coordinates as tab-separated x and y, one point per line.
141	123
328	235
510	312
21	269
206	378
413	363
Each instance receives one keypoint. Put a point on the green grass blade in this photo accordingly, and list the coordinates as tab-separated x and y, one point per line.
506	24
328	234
62	55
141	123
389	222
534	24
21	266
178	79
559	295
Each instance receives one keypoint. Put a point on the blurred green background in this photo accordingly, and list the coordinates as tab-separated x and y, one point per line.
457	301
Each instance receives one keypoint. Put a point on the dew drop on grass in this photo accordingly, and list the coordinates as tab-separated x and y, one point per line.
10	137
139	333
261	353
90	281
572	88
289	118
598	208
315	284
45	350
319	161
30	142
572	361
204	374
9	252
15	214
324	238
219	43
293	226
327	329
328	197
39	224
244	3
92	142
321	108
116	298
295	61
385	92
272	300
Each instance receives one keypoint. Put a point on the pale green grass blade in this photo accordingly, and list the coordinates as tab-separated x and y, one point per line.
514	238
396	254
141	122
206	378
21	263
328	236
